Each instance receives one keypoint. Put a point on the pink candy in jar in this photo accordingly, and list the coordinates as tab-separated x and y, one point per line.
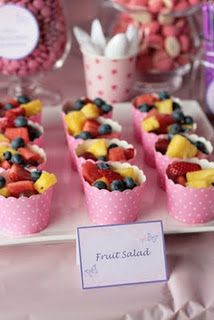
35	46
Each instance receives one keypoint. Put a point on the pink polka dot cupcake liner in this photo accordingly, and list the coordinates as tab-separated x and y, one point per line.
25	216
148	141
105	207
137	118
112	80
191	205
162	161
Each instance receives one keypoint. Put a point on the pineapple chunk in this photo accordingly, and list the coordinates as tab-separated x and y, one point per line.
165	106
4	192
75	121
198	184
45	181
32	108
91	111
206	175
127	172
4	148
180	147
150	124
98	148
3	138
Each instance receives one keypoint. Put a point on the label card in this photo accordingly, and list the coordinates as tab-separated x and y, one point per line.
116	255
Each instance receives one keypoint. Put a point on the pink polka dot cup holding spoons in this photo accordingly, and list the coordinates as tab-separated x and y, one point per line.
162	161
191	205
115	207
112	80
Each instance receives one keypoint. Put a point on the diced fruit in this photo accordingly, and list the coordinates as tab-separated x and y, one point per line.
180	147
75	121
3	138
3	149
2	182
32	108
150	124
30	156
5	164
165	106
17	173
129	153
18	143
146	98
99	184
20	187
90	172
127	172
45	181
91	111
206	175
162	145
177	169
117	154
98	148
4	192
105	128
12	133
117	185
92	127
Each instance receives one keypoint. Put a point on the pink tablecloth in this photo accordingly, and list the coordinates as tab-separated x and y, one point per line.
42	282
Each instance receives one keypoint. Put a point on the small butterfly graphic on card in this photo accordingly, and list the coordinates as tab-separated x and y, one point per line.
91	271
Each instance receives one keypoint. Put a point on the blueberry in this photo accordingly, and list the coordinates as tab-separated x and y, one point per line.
164	95
18	143
35	175
113	145
144	107
23	99
178	116
34	133
174	129
103	166
118	185
100	185
17	158
129	182
79	104
106	108
7	155
105	129
188	120
2	182
99	102
201	147
8	106
102	158
176	106
20	122
85	135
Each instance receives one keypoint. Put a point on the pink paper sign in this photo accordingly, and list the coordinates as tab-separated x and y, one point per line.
116	255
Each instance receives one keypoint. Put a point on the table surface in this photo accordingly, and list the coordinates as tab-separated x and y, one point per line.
42	282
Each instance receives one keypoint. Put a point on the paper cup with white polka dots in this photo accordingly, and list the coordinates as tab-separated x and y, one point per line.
115	207
191	205
112	80
24	215
162	161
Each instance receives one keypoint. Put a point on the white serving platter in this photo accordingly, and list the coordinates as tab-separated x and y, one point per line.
68	207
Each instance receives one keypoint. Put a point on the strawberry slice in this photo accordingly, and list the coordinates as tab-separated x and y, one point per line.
92	127
162	145
110	175
177	169
129	153
117	154
90	172
30	156
12	133
17	173
21	188
5	164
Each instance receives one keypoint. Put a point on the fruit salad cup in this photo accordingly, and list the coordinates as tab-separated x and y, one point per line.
157	124
114	192
25	200
180	147
78	128
142	104
190	191
104	150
